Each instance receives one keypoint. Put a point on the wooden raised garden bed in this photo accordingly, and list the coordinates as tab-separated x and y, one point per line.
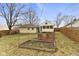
45	42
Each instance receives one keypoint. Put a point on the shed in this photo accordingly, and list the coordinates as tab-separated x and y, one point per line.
47	26
47	32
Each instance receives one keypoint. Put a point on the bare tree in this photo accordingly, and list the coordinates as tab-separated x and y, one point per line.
30	17
11	12
59	20
69	19
66	19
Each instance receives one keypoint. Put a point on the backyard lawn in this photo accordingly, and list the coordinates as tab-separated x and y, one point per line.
9	46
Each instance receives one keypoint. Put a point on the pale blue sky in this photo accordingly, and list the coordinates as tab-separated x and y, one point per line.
50	11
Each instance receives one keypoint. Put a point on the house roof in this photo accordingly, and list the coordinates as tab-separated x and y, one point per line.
46	23
28	25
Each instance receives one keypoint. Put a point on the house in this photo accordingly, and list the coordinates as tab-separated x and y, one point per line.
28	28
31	28
47	26
74	24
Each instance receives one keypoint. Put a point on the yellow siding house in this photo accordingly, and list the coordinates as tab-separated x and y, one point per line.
28	28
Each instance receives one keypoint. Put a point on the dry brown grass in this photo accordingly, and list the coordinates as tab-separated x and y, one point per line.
9	46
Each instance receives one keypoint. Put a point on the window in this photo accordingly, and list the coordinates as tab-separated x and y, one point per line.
46	23
47	27
43	27
32	28
51	27
28	28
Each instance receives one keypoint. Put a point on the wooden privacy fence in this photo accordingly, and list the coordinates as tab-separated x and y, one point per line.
7	32
72	33
56	29
4	32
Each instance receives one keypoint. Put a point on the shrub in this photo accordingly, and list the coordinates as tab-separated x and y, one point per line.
14	31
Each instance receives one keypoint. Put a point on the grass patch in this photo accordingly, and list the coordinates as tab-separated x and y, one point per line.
9	45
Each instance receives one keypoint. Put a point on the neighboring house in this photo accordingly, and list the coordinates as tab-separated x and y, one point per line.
28	28
46	26
74	24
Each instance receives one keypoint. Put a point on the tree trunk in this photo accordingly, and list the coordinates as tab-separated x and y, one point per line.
9	29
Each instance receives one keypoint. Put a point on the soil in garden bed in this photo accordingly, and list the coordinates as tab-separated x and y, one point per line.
38	45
